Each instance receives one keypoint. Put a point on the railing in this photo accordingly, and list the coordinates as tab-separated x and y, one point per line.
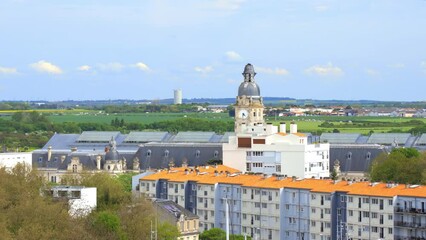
410	210
410	225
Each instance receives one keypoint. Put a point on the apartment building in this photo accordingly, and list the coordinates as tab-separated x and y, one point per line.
276	207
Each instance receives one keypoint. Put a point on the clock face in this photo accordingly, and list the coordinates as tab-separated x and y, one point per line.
243	114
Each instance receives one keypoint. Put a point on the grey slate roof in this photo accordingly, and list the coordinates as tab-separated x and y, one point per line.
389	138
340	137
422	139
193	137
144	137
97	136
356	157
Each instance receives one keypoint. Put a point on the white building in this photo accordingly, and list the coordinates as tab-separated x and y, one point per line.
259	147
81	200
10	159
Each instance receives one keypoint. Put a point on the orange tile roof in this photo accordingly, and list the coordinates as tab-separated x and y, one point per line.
208	176
282	134
300	134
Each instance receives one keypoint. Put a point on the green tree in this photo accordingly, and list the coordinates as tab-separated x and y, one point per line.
167	231
401	166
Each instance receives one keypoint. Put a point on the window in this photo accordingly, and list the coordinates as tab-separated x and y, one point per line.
313	196
148	153
374	201
313	210
327	211
197	153
390	230
40	159
216	153
374	229
366	214
390	202
350	199
166	153
374	215
390	217
55	159
351	213
257	205
264	205
365	200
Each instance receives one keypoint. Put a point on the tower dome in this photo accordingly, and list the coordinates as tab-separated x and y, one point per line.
248	87
112	153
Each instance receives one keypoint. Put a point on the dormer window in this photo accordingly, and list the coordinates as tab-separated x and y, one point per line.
55	159
197	153
216	153
148	153
368	155
40	159
349	155
166	153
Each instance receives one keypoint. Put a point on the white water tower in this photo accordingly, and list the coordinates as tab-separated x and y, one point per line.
178	96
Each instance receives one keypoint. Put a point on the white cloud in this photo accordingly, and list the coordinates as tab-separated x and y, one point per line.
275	71
46	67
204	70
398	65
229	5
372	72
84	68
5	70
142	66
325	70
114	66
321	8
233	56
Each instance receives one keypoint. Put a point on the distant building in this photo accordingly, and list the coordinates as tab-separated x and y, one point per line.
81	200
9	160
186	222
177	96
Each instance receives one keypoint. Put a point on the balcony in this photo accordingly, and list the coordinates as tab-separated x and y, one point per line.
410	210
409	238
410	225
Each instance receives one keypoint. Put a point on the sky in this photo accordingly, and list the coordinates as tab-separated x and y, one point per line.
143	49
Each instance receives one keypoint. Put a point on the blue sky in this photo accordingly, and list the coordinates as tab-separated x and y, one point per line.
129	49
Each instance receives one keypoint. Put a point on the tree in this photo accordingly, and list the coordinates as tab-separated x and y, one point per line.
401	166
219	234
167	231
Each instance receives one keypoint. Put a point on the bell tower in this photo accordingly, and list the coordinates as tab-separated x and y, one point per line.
249	104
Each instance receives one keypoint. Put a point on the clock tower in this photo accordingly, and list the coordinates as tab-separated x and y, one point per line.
249	104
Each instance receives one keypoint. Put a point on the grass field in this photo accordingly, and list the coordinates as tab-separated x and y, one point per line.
361	125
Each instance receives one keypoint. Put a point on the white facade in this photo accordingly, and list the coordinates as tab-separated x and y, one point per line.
81	200
177	96
287	154
10	159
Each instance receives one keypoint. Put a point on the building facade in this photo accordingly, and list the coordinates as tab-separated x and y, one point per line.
276	207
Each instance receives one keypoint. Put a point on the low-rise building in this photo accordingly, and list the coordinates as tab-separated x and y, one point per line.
9	160
186	222
81	200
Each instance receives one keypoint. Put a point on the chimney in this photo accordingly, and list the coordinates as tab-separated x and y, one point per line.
269	128
98	162
49	153
283	127
293	127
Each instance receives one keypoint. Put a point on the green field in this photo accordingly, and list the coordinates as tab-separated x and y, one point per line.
145	118
363	125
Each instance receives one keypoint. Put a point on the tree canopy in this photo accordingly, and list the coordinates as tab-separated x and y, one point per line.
402	165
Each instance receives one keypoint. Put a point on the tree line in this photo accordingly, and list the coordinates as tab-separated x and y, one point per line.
27	214
29	130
